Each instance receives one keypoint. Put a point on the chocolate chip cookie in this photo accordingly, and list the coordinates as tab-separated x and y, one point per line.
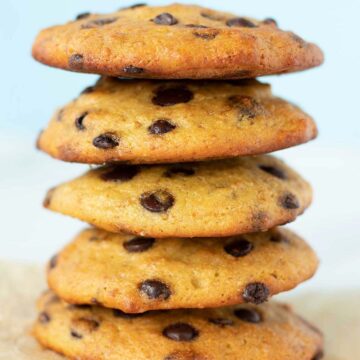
174	42
151	122
215	198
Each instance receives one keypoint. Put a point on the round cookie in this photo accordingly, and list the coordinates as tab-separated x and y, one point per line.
156	122
174	42
216	198
266	332
136	274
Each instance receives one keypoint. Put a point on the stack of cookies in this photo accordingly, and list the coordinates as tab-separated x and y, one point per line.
185	248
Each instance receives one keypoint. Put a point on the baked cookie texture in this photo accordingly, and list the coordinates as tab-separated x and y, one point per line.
217	198
137	274
174	42
269	331
166	121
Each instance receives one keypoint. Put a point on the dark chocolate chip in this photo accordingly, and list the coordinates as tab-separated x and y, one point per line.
289	201
165	19
120	314
248	107
238	247
270	21
168	96
75	334
44	317
161	126
98	22
279	173
138	244
248	315
256	293
155	289
157	201
88	90
79	307
83	325
133	6
214	16
79	121
319	355
106	141
83	16
130	69
206	35
196	26
76	61
222	322
120	173
53	262
179	170
181	332
240	22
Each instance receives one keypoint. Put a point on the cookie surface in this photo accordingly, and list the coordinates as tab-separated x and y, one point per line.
216	198
156	122
269	331
137	274
174	42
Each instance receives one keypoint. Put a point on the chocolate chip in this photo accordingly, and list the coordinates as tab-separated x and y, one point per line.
157	201
83	16
53	262
88	90
75	334
168	96
165	19
240	22
120	173
79	307
270	21
155	289
79	121
248	315
76	61
98	22
222	322
83	325
176	170
248	107
180	332
138	244
130	69
278	237
133	6
120	314
289	201
256	293
238	247
319	355
272	170
106	141
214	16
44	317
206	35
161	126
196	26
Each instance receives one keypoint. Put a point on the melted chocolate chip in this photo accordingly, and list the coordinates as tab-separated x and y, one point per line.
289	201
165	19
319	355
120	314
222	322
138	244
106	141
44	317
215	17
161	126
181	332
248	315
239	247
130	69
79	307
256	293
88	90
133	6
53	262
168	96
75	334
206	35
79	121
273	171
83	16
196	26
76	61
98	22
179	170
157	201
240	22
155	289
270	21
248	107
120	173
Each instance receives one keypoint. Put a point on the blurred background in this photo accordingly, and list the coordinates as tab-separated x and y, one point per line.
32	92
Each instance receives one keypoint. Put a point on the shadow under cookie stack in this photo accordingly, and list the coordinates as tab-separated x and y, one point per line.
185	248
